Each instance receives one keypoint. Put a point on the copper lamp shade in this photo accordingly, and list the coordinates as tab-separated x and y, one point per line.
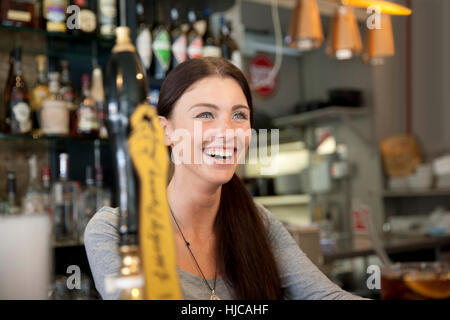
380	42
305	29
344	41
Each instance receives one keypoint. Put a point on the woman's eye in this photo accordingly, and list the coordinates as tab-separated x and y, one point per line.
241	115
204	115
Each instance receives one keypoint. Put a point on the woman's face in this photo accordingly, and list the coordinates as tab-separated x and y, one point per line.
209	129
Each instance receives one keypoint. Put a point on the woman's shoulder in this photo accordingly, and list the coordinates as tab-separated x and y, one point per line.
104	221
273	225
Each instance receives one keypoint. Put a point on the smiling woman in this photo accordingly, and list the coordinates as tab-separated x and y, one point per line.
227	246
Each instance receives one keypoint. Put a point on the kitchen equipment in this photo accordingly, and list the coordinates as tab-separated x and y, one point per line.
345	97
287	184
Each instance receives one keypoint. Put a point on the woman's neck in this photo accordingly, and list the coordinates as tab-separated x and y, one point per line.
193	204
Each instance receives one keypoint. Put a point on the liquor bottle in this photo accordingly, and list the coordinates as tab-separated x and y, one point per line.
68	95
40	92
195	40
230	49
179	40
54	117
65	195
98	95
32	201
107	17
46	191
144	37
88	202
87	125
54	12
18	13
161	46
126	87
87	17
211	46
5	121
103	194
13	207
18	112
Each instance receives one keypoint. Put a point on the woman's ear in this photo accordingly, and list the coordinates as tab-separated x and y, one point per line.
165	125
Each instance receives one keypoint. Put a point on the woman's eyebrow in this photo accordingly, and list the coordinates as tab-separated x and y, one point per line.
210	105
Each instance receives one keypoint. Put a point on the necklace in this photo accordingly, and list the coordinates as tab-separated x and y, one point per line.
188	245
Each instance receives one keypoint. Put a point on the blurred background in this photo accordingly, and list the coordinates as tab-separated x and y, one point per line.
359	91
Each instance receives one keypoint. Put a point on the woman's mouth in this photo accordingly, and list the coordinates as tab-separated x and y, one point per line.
220	154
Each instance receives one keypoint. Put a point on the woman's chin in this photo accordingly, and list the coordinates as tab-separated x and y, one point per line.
217	176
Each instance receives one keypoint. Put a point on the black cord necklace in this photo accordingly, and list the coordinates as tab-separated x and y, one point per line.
188	245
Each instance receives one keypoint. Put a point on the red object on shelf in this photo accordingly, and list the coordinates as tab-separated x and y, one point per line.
260	68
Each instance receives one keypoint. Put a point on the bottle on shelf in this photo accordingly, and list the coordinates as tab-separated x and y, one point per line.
98	95
19	13
195	40
107	17
18	112
144	36
211	45
39	93
161	46
54	12
179	40
88	202
5	120
54	116
46	191
103	193
230	49
65	195
13	207
67	93
87	19
32	201
87	125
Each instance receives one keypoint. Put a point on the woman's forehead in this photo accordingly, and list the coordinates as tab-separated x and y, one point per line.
214	90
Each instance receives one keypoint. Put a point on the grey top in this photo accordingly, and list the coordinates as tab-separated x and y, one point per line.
300	278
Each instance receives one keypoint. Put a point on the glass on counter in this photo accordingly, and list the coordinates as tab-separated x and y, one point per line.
416	281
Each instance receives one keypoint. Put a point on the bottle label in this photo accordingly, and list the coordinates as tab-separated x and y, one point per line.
179	49
87	119
22	115
16	15
108	11
195	49
161	48
55	13
212	51
88	23
55	117
143	44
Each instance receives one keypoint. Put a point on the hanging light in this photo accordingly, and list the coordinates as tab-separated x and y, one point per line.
344	40
305	29
385	7
379	42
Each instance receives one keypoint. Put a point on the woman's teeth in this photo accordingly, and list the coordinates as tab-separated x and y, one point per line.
220	154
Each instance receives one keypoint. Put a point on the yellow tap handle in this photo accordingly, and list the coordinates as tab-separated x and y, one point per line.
149	156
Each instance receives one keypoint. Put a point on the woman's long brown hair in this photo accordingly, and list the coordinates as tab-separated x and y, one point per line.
246	258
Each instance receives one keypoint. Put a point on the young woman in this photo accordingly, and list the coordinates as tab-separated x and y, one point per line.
237	249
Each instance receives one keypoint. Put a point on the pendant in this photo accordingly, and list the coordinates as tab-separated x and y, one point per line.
213	296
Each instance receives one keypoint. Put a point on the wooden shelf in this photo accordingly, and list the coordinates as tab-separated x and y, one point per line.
324	114
405	193
284	200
